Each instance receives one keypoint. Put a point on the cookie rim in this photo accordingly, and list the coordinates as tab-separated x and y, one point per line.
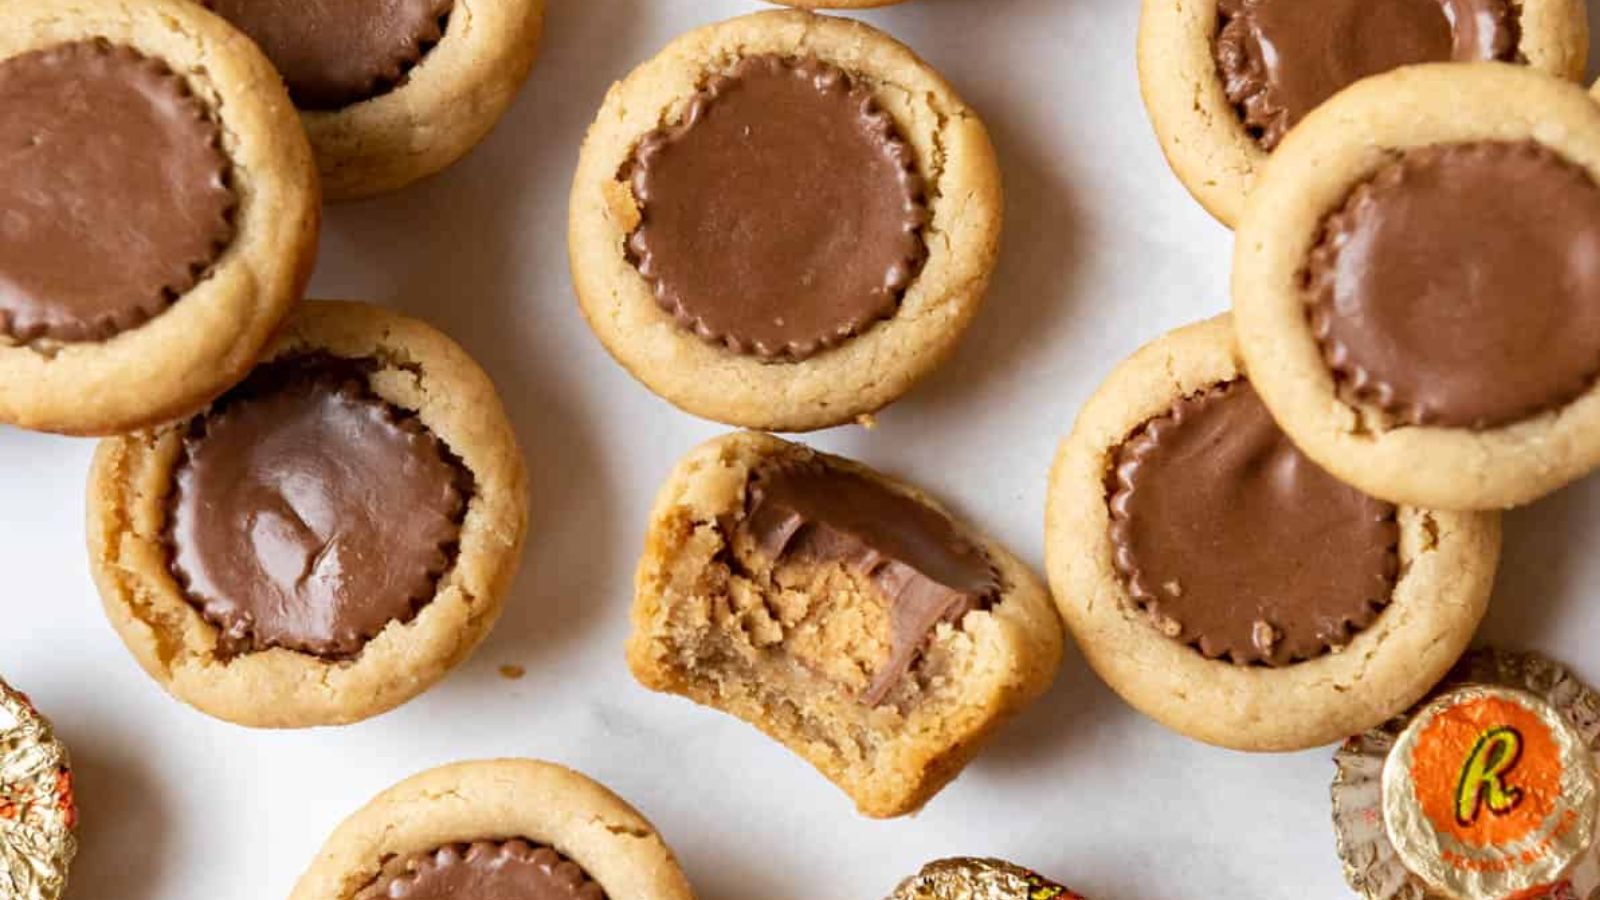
444	106
1338	146
1201	135
1022	622
1385	669
543	802
131	480
860	376
209	337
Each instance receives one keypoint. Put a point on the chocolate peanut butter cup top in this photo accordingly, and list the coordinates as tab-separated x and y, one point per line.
114	196
484	870
1238	544
337	53
308	513
926	570
1280	59
1460	285
783	215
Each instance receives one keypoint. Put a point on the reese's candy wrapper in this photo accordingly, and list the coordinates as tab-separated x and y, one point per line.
979	879
37	811
1486	791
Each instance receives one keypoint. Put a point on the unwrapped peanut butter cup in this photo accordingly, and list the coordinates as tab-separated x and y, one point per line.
336	54
924	569
1486	790
783	215
484	870
1237	544
1280	59
115	189
309	513
37	810
1459	286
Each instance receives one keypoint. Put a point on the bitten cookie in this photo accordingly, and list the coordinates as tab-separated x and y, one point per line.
392	91
1225	80
328	539
1415	286
844	614
160	212
1227	587
783	221
509	829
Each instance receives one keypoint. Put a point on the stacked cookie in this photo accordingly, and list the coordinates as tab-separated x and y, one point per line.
1279	528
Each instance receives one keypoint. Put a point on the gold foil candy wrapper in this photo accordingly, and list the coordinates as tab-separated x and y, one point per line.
1486	791
37	809
979	879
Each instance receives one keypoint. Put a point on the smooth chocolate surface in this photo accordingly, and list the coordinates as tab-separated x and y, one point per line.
783	215
308	513
337	53
1238	544
1280	59
1460	286
114	196
926	570
484	870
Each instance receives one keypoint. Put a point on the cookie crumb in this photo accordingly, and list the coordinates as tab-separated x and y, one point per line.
512	673
1173	588
1168	626
1264	637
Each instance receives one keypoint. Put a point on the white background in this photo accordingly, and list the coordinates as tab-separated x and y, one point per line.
1103	251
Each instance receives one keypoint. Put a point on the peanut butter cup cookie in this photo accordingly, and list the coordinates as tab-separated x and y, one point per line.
504	829
328	539
392	91
1227	587
1416	288
846	615
1225	80
783	221
160	211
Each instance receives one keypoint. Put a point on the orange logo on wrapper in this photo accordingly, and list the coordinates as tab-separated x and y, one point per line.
1488	772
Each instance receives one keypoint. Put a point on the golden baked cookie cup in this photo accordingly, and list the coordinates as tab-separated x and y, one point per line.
1342	145
949	153
807	648
1446	566
436	820
429	387
425	108
196	344
1201	132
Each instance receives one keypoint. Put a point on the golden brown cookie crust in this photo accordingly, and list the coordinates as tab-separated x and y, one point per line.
1200	132
1001	659
210	337
1336	148
503	799
1447	565
446	105
132	477
867	372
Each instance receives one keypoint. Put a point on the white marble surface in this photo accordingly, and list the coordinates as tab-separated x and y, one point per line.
1104	250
